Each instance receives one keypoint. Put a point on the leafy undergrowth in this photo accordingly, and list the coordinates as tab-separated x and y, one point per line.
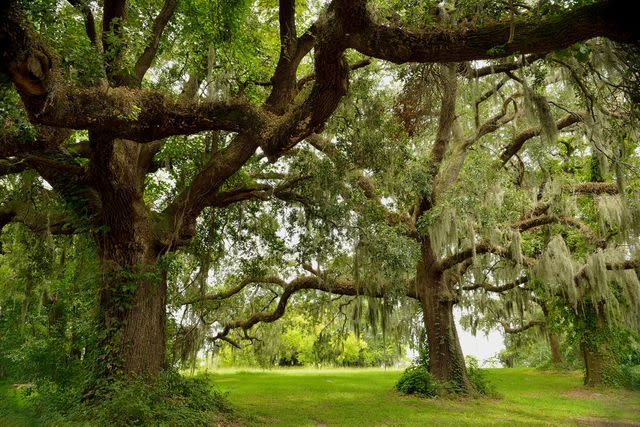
417	380
364	397
173	400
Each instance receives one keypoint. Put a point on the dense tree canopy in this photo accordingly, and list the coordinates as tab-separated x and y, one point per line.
178	175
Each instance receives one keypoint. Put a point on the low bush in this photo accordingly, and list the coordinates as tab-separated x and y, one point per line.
172	400
478	379
631	376
417	380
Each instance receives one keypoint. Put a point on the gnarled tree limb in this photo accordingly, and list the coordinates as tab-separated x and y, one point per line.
525	135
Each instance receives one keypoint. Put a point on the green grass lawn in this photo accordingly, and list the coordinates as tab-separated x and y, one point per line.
365	397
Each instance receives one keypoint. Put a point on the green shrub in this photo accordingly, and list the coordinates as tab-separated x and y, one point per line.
417	380
631	376
172	400
478	379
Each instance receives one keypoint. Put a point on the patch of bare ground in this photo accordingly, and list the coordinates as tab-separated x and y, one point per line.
600	422
23	386
583	393
222	421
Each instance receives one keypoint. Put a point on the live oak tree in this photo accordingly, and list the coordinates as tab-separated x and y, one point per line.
368	153
597	314
582	247
463	223
128	119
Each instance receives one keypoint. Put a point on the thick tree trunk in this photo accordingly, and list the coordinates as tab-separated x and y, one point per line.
446	361
554	344
601	366
133	287
132	312
593	364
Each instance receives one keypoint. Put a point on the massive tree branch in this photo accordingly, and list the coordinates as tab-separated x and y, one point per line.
612	19
19	144
330	85
121	112
139	115
42	153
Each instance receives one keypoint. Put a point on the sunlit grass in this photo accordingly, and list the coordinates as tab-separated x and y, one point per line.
365	397
353	397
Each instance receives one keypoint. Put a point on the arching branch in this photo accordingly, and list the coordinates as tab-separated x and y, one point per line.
519	140
314	282
498	289
479	249
502	67
540	220
159	24
258	191
228	293
35	220
516	330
